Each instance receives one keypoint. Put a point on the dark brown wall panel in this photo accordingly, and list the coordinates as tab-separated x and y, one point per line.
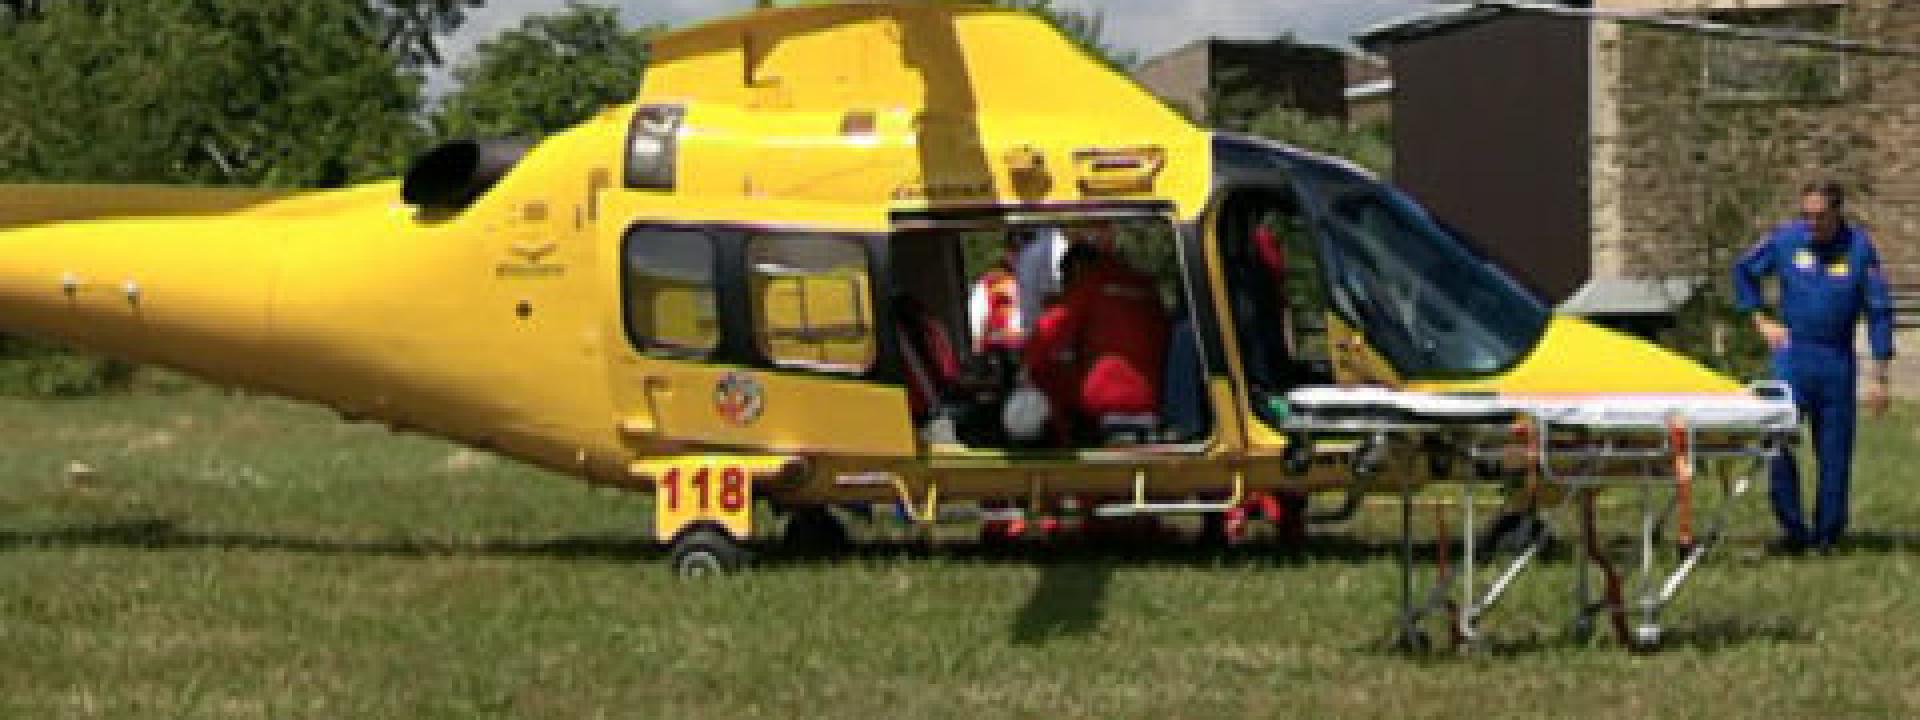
1490	132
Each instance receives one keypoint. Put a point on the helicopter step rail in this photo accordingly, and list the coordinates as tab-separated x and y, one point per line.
1556	455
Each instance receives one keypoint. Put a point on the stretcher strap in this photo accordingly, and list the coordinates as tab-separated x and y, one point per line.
1682	443
1612	597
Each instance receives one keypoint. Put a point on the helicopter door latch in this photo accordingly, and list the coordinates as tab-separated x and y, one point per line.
647	420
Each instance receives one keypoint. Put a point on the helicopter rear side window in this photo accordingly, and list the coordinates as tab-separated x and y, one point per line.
669	292
810	296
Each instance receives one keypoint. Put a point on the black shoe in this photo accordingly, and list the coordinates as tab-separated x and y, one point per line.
1786	547
1515	531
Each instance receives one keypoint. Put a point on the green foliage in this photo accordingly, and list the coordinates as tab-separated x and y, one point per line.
411	29
284	93
1237	104
30	368
1369	145
552	72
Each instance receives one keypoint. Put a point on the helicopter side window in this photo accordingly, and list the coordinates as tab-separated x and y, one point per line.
810	301
669	292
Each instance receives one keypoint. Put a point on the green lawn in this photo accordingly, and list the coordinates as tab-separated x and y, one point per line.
244	557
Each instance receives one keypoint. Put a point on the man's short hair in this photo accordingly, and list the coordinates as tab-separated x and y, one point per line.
1079	256
1835	193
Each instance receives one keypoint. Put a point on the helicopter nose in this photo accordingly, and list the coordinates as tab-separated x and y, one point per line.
1574	356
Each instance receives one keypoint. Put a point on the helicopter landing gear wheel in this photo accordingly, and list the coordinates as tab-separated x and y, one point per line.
706	552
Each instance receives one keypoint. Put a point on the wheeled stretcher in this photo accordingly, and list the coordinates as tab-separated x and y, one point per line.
1553	454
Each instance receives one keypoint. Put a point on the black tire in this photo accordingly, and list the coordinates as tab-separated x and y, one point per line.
815	528
706	552
1213	533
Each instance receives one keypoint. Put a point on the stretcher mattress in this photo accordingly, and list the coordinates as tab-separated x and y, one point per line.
1767	407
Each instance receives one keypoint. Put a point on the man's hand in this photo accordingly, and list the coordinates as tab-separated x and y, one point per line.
1877	393
1774	333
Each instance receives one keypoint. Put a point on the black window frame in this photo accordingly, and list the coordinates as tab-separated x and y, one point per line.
715	288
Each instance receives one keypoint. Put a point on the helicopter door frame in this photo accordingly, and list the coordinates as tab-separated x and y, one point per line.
1350	360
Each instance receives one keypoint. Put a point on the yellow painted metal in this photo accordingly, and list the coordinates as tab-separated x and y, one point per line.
1575	357
949	92
716	490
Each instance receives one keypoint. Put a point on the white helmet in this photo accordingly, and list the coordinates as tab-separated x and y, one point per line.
1025	414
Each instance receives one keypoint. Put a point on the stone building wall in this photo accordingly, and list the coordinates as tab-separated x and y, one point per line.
1891	114
1687	172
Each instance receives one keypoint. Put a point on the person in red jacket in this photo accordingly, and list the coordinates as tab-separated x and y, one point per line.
1097	352
993	307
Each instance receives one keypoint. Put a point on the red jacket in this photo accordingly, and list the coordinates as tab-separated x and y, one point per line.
1099	350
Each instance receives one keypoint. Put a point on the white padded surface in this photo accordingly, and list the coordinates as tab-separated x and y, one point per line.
1767	407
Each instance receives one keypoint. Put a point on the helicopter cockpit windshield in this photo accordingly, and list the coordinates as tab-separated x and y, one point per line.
1425	302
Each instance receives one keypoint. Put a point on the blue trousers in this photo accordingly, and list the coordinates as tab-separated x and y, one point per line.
1823	380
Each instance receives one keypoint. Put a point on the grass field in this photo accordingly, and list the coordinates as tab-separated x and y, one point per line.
243	557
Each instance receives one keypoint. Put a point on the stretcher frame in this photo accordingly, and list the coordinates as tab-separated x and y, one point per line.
1557	458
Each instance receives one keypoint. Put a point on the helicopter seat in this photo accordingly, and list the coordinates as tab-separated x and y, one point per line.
931	365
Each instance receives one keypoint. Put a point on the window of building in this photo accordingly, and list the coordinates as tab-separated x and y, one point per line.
811	301
669	292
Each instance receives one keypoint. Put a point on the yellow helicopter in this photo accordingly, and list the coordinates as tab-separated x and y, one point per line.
722	292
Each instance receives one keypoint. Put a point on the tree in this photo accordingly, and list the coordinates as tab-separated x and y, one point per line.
552	72
283	93
411	29
1369	146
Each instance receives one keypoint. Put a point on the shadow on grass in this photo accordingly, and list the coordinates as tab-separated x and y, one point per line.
1068	601
165	534
1703	635
1880	541
160	533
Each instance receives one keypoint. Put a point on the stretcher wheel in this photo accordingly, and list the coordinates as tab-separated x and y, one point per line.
815	527
1646	637
706	552
1412	639
1582	630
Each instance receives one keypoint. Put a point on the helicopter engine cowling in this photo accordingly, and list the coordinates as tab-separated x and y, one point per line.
455	174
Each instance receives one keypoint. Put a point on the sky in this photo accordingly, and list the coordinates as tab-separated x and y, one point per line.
1148	27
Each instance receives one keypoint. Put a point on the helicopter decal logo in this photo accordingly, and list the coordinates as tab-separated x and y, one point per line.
739	399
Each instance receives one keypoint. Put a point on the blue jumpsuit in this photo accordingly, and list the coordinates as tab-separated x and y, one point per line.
1825	289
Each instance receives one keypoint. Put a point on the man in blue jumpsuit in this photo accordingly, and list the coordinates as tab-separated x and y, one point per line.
1829	278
